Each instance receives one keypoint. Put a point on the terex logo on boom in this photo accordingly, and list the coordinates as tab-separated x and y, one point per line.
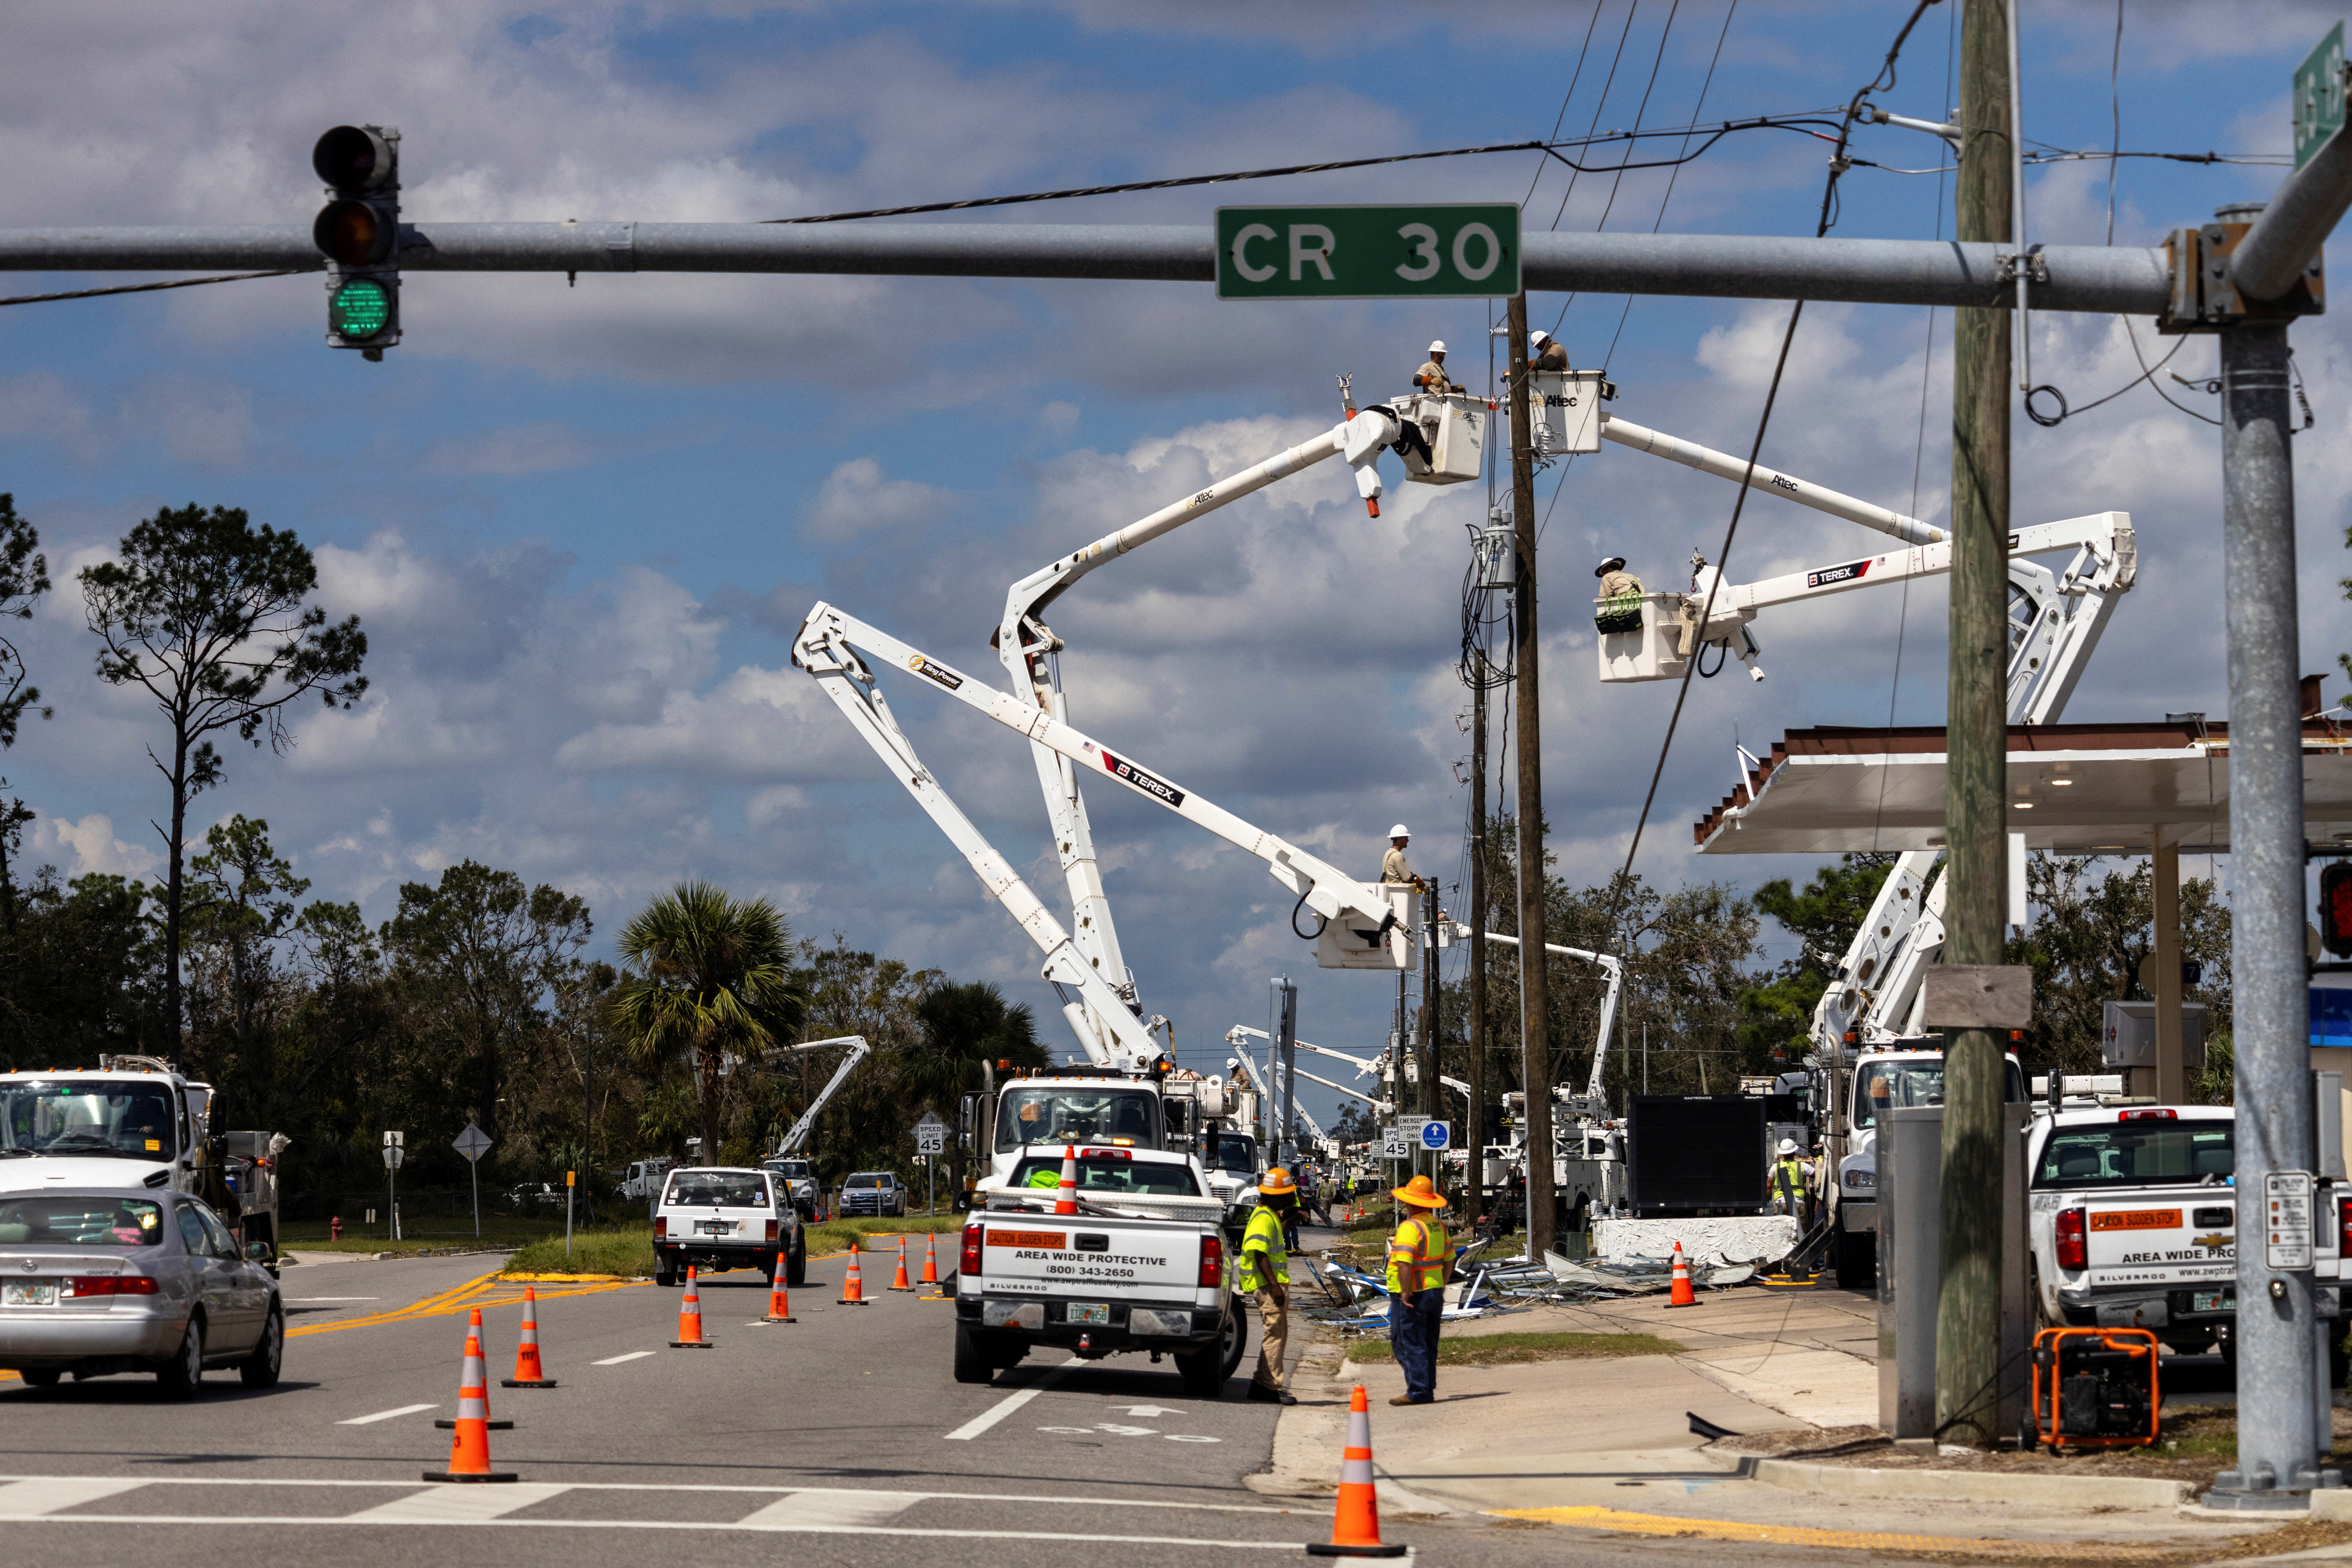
1149	783
1829	575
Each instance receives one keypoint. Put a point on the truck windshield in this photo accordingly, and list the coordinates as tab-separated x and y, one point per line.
1065	1114
1900	1085
791	1170
1109	1173
1235	1151
88	1118
2134	1153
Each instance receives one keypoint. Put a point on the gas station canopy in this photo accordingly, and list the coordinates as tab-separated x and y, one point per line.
2075	789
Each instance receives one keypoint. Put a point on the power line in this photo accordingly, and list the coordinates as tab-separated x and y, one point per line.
151	287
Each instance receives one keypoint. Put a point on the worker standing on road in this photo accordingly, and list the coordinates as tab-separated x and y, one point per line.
1420	1257
1545	352
1432	377
1791	1182
1266	1274
1393	865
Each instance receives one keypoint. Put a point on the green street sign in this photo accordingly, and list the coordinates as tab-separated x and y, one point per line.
2319	96
1445	251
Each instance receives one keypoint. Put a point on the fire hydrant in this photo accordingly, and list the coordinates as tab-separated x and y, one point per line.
335	1228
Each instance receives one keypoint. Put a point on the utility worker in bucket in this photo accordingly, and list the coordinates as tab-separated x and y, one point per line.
1432	377
1266	1275
1420	1256
1545	353
1393	865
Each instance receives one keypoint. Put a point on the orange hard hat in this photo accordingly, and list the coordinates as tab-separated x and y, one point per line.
1421	1192
1275	1182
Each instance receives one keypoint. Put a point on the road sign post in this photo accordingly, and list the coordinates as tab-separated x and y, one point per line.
1437	1136
930	1142
1441	251
473	1143
395	1150
571	1186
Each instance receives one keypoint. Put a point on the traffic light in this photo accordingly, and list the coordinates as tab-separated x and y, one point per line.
2335	909
357	232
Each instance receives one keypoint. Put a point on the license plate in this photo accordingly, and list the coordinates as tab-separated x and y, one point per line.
1088	1312
713	1227
2211	1301
28	1293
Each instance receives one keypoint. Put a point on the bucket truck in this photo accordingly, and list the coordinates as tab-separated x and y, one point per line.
789	1162
1866	1029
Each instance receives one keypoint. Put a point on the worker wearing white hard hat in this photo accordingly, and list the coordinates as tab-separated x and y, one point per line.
1791	1182
1393	865
1545	352
1431	376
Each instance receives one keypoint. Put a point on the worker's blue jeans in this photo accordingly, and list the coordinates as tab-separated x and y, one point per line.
1412	1330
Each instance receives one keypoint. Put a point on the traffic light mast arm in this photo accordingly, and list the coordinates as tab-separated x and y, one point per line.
799	1135
845	679
827	646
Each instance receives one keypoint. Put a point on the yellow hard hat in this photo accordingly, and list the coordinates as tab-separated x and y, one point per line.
1421	1192
1275	1182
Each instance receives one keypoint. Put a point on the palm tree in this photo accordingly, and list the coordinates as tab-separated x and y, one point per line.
962	1026
707	973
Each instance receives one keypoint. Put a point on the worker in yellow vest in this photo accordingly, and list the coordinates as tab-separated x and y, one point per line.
1420	1257
1266	1275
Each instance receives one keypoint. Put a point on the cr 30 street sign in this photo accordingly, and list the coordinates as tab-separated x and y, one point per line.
1440	251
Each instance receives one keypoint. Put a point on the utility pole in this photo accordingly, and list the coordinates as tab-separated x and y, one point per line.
1474	1136
1967	1312
1534	1010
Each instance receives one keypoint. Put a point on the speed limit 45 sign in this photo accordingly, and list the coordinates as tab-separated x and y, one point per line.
1368	252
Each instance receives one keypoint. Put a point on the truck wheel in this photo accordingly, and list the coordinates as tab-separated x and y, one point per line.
664	1272
971	1364
2338	1362
1204	1372
1857	1260
796	1263
42	1377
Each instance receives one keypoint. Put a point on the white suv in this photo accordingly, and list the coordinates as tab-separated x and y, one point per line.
725	1216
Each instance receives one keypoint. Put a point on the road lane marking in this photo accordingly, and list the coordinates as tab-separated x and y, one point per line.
385	1415
805	1510
33	1499
713	1487
617	1359
457	1504
1008	1405
314	1301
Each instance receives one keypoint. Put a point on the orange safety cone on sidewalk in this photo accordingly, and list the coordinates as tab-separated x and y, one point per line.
901	1282
1356	1521
528	1373
689	1318
779	1305
474	1338
1682	1294
853	1284
1067	1200
469	1450
930	1260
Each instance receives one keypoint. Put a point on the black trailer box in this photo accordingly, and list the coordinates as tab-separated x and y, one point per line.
1697	1153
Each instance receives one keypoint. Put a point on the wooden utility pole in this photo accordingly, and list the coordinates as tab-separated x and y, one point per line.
1432	1100
1968	1313
1534	1010
1474	1136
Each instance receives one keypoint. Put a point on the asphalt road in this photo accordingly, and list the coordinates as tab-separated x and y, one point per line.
839	1438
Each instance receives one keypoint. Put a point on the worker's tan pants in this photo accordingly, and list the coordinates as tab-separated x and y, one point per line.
1273	1339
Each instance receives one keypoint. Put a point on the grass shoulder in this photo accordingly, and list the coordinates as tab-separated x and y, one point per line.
1513	1350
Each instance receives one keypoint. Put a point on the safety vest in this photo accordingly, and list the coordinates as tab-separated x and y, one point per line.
1790	1179
1045	1177
1262	1240
1422	1241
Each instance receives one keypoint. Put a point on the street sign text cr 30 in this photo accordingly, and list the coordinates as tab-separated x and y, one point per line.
1368	252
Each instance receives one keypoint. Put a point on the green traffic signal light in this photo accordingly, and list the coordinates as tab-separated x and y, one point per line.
359	310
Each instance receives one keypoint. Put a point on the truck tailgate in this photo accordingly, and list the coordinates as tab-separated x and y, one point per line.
2159	1241
1111	1259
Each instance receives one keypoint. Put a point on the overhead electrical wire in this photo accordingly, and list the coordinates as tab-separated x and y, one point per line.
151	287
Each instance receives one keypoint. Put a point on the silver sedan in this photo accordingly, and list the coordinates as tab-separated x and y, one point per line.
95	1281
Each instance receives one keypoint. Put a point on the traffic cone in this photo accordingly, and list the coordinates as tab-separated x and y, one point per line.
853	1285
1356	1521
528	1373
474	1338
1682	1294
469	1450
689	1318
930	1260
780	1306
1067	1200
901	1282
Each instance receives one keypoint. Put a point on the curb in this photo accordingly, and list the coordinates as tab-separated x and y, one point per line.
1972	1486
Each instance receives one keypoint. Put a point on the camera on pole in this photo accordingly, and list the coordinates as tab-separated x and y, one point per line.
358	234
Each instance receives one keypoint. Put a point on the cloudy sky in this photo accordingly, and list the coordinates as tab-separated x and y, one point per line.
580	525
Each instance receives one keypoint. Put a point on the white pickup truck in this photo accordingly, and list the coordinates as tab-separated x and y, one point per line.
2134	1222
1141	1266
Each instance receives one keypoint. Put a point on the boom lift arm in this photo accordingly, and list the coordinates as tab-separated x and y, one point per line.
1361	1063
827	647
1610	965
799	1135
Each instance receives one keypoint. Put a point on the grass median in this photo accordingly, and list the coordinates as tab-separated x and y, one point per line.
629	1249
1514	1349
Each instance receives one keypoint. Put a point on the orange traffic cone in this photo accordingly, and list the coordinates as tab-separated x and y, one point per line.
853	1285
528	1373
901	1282
1067	1200
469	1450
780	1306
689	1318
930	1260
1356	1522
1682	1294
473	1332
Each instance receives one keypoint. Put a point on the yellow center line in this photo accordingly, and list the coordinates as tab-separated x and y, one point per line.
1855	1539
485	1291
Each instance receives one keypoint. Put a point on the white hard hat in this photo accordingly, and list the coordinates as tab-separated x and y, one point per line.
1788	1145
1437	345
1400	831
1537	338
